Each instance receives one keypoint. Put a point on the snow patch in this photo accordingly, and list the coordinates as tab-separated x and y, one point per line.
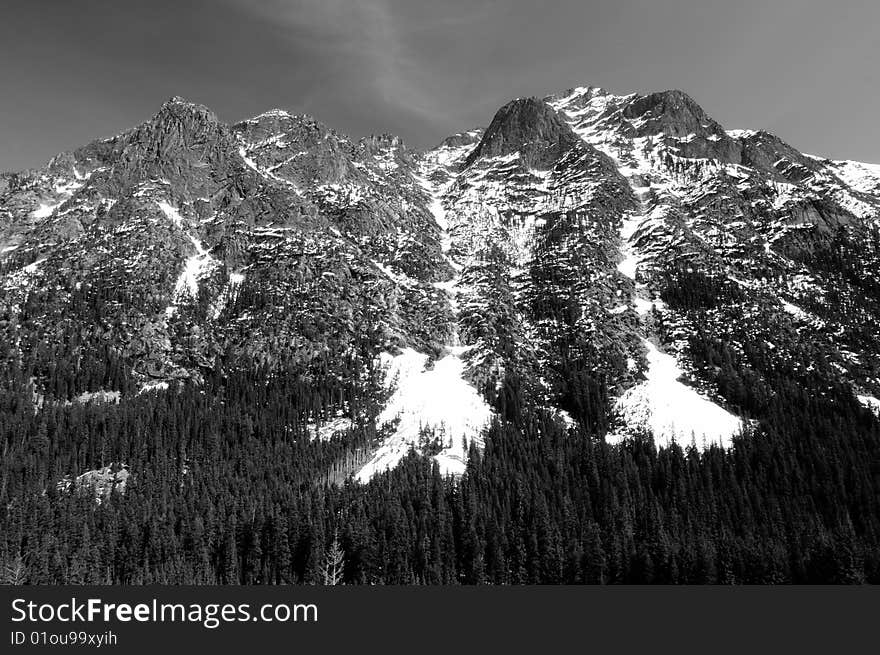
193	269
794	310
235	281
247	160
644	306
436	398
631	258
871	403
741	134
158	385
31	268
439	214
858	175
171	212
670	410
45	210
272	113
250	163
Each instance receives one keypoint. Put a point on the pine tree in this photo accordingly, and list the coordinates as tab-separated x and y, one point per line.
15	572
334	560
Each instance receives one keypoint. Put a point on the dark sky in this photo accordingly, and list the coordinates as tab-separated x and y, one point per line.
74	70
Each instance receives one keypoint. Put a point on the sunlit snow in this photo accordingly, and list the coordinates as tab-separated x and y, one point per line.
871	403
157	385
188	280
672	411
235	281
45	211
741	134
32	267
171	212
192	270
247	160
858	175
631	258
794	310
429	397
644	306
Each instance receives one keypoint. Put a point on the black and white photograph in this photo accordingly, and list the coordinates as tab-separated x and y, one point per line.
364	293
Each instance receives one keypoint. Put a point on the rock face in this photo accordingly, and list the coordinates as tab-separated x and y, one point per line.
575	247
670	113
530	128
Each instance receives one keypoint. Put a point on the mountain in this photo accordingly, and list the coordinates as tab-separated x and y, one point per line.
581	239
611	267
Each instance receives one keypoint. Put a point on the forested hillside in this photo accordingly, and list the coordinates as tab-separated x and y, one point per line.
227	485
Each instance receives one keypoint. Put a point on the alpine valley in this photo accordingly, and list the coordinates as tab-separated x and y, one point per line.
603	339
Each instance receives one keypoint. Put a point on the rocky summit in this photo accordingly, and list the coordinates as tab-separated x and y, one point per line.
607	258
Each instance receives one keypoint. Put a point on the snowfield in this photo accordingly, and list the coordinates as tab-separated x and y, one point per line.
860	176
46	210
871	403
194	268
436	398
672	411
630	262
171	212
433	396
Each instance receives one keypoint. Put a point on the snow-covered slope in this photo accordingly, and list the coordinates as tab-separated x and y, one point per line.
671	411
430	400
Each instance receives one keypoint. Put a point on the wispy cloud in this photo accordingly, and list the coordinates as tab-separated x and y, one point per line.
363	36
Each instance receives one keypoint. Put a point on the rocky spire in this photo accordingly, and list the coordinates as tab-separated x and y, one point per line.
530	127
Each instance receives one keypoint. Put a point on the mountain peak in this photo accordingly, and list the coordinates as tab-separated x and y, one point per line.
672	112
529	126
580	92
177	105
